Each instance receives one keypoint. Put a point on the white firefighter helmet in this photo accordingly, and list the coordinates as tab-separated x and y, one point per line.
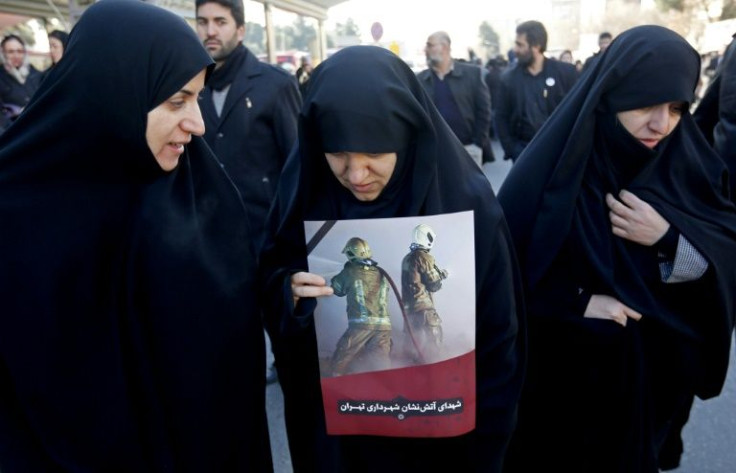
424	236
357	249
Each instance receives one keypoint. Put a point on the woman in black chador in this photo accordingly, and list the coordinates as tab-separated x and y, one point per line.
129	337
627	239
372	145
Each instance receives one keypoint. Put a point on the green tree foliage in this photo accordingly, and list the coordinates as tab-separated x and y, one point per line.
349	28
489	39
304	34
255	37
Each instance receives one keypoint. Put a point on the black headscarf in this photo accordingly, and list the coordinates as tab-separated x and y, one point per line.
124	290
557	189
62	36
365	99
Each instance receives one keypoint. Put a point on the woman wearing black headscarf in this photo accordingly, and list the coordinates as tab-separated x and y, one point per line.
57	45
129	336
372	145
620	215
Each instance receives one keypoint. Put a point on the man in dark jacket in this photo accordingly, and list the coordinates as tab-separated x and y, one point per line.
249	108
460	94
531	90
604	40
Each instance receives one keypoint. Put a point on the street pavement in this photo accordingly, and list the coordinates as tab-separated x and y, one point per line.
709	436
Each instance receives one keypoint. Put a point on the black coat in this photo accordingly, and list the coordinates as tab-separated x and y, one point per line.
471	94
513	98
716	114
255	132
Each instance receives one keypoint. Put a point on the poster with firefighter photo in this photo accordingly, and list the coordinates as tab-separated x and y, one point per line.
396	340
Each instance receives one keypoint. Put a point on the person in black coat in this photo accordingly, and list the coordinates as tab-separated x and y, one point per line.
716	113
530	90
249	109
460	93
620	214
399	159
130	339
18	78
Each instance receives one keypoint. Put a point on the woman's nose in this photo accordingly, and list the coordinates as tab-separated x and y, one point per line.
194	123
357	169
660	120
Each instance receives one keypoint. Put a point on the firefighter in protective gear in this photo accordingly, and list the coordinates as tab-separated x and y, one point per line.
366	344
420	278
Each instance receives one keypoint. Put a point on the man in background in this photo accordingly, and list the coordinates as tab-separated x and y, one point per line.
531	90
460	94
604	40
250	112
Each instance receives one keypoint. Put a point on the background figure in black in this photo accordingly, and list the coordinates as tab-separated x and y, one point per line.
604	40
366	344
420	278
18	78
302	74
249	109
627	240
716	113
460	94
530	90
57	44
495	67
566	56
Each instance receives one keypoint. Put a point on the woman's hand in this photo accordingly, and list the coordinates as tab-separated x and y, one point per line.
309	285
635	220
610	308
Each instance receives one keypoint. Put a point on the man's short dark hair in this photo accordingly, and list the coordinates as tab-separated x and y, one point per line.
235	6
535	33
605	35
12	36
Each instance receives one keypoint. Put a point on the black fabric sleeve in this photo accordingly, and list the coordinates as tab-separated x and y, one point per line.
667	245
503	121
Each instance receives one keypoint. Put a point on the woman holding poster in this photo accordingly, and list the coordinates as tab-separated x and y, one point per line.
374	161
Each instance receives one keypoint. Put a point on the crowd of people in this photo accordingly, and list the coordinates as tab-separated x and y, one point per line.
155	182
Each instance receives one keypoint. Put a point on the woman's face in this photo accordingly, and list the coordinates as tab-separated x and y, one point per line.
56	50
650	125
363	174
171	125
